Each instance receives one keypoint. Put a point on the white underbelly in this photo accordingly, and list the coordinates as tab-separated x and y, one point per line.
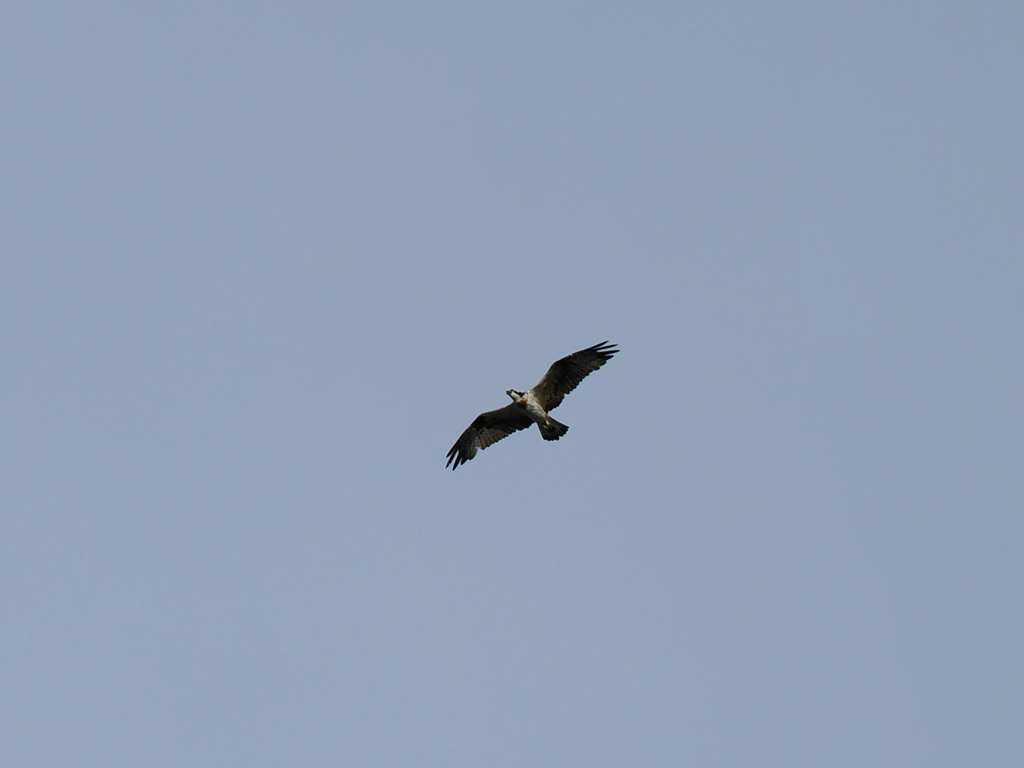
534	411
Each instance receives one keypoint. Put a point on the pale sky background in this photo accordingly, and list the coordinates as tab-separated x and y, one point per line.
263	262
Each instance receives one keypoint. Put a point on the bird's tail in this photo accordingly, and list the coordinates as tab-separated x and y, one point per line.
552	430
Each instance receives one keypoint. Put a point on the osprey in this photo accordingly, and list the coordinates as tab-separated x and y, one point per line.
531	407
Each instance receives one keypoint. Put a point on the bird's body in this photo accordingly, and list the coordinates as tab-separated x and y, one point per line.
531	407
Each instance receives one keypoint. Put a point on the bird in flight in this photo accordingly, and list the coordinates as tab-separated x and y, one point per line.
531	407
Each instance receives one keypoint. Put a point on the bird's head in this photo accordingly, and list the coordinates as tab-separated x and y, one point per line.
516	395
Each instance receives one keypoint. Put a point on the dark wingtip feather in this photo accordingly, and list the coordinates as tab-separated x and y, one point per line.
453	454
605	349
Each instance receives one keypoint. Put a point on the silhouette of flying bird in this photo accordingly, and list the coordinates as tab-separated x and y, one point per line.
531	407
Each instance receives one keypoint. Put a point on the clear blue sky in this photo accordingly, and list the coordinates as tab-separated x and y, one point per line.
262	263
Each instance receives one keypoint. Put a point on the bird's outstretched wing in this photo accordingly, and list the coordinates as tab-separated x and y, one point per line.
566	374
487	429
